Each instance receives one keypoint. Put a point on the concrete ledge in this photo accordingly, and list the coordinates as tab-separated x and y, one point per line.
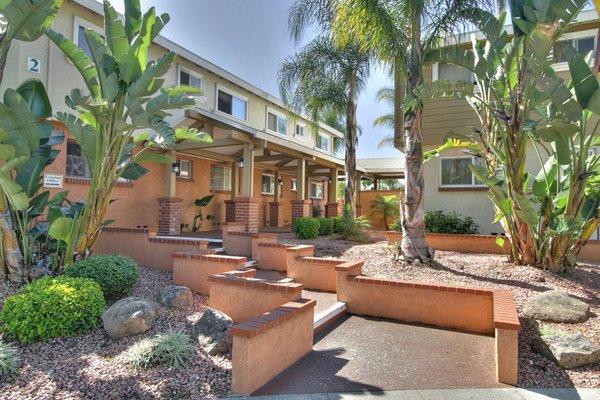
244	298
193	269
268	253
268	344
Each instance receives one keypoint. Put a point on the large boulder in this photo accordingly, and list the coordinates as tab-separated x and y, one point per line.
556	306
175	297
129	316
568	351
213	332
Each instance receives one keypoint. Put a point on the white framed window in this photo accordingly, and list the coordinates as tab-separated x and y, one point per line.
316	190
189	78
322	143
79	27
276	122
300	130
294	185
220	178
455	171
231	103
451	72
185	169
583	42
267	184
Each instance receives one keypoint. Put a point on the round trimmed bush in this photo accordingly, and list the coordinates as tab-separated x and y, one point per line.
325	226
53	307
306	228
116	274
337	224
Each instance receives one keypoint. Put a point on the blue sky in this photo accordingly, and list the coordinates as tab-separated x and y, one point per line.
249	38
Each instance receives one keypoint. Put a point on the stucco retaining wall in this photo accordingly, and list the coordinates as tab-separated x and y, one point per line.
145	247
192	270
266	345
244	298
314	272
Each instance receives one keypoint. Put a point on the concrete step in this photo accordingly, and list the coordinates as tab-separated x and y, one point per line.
329	315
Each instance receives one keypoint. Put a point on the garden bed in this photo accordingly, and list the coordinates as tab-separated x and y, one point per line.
90	365
490	271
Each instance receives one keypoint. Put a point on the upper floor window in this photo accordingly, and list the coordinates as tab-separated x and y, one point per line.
451	73
316	190
220	178
300	131
322	143
455	171
276	122
189	78
231	103
268	184
185	169
79	33
583	45
76	165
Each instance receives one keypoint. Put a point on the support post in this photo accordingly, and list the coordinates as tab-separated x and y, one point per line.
171	187
235	177
248	170
332	206
300	179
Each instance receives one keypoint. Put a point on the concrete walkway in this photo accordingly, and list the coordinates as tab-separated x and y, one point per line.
449	394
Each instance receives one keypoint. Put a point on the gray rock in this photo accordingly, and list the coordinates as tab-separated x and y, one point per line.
175	297
556	306
212	332
39	271
568	351
129	316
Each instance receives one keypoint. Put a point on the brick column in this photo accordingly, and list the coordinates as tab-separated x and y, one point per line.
332	210
300	208
276	214
169	215
246	211
229	210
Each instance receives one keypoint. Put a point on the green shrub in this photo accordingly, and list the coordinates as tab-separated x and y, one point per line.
306	228
53	307
440	222
325	226
116	274
396	225
337	224
172	349
9	359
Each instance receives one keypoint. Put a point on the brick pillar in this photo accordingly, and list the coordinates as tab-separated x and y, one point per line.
332	210
229	210
276	214
300	208
169	215
246	211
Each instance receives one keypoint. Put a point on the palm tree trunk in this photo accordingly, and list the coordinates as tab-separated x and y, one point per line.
351	142
414	245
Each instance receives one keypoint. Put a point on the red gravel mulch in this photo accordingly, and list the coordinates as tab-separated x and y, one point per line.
89	367
491	271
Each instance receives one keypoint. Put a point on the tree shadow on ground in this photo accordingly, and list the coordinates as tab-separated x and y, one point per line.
500	281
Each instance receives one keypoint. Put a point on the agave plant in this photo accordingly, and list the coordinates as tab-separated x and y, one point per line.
522	102
120	117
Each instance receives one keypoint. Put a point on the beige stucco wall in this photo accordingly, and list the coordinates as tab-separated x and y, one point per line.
60	76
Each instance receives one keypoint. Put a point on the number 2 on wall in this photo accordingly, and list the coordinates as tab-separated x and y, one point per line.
33	65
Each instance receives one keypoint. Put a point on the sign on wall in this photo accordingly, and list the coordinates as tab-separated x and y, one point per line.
53	181
34	65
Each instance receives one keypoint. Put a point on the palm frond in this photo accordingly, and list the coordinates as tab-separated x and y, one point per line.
386	142
304	13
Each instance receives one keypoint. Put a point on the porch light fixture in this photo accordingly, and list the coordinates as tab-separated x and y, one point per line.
241	162
329	179
176	167
280	182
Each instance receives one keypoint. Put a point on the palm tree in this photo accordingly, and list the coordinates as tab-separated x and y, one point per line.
386	95
325	79
401	32
386	206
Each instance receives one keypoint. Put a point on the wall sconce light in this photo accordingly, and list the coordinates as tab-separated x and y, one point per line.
176	167
280	181
329	179
241	162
